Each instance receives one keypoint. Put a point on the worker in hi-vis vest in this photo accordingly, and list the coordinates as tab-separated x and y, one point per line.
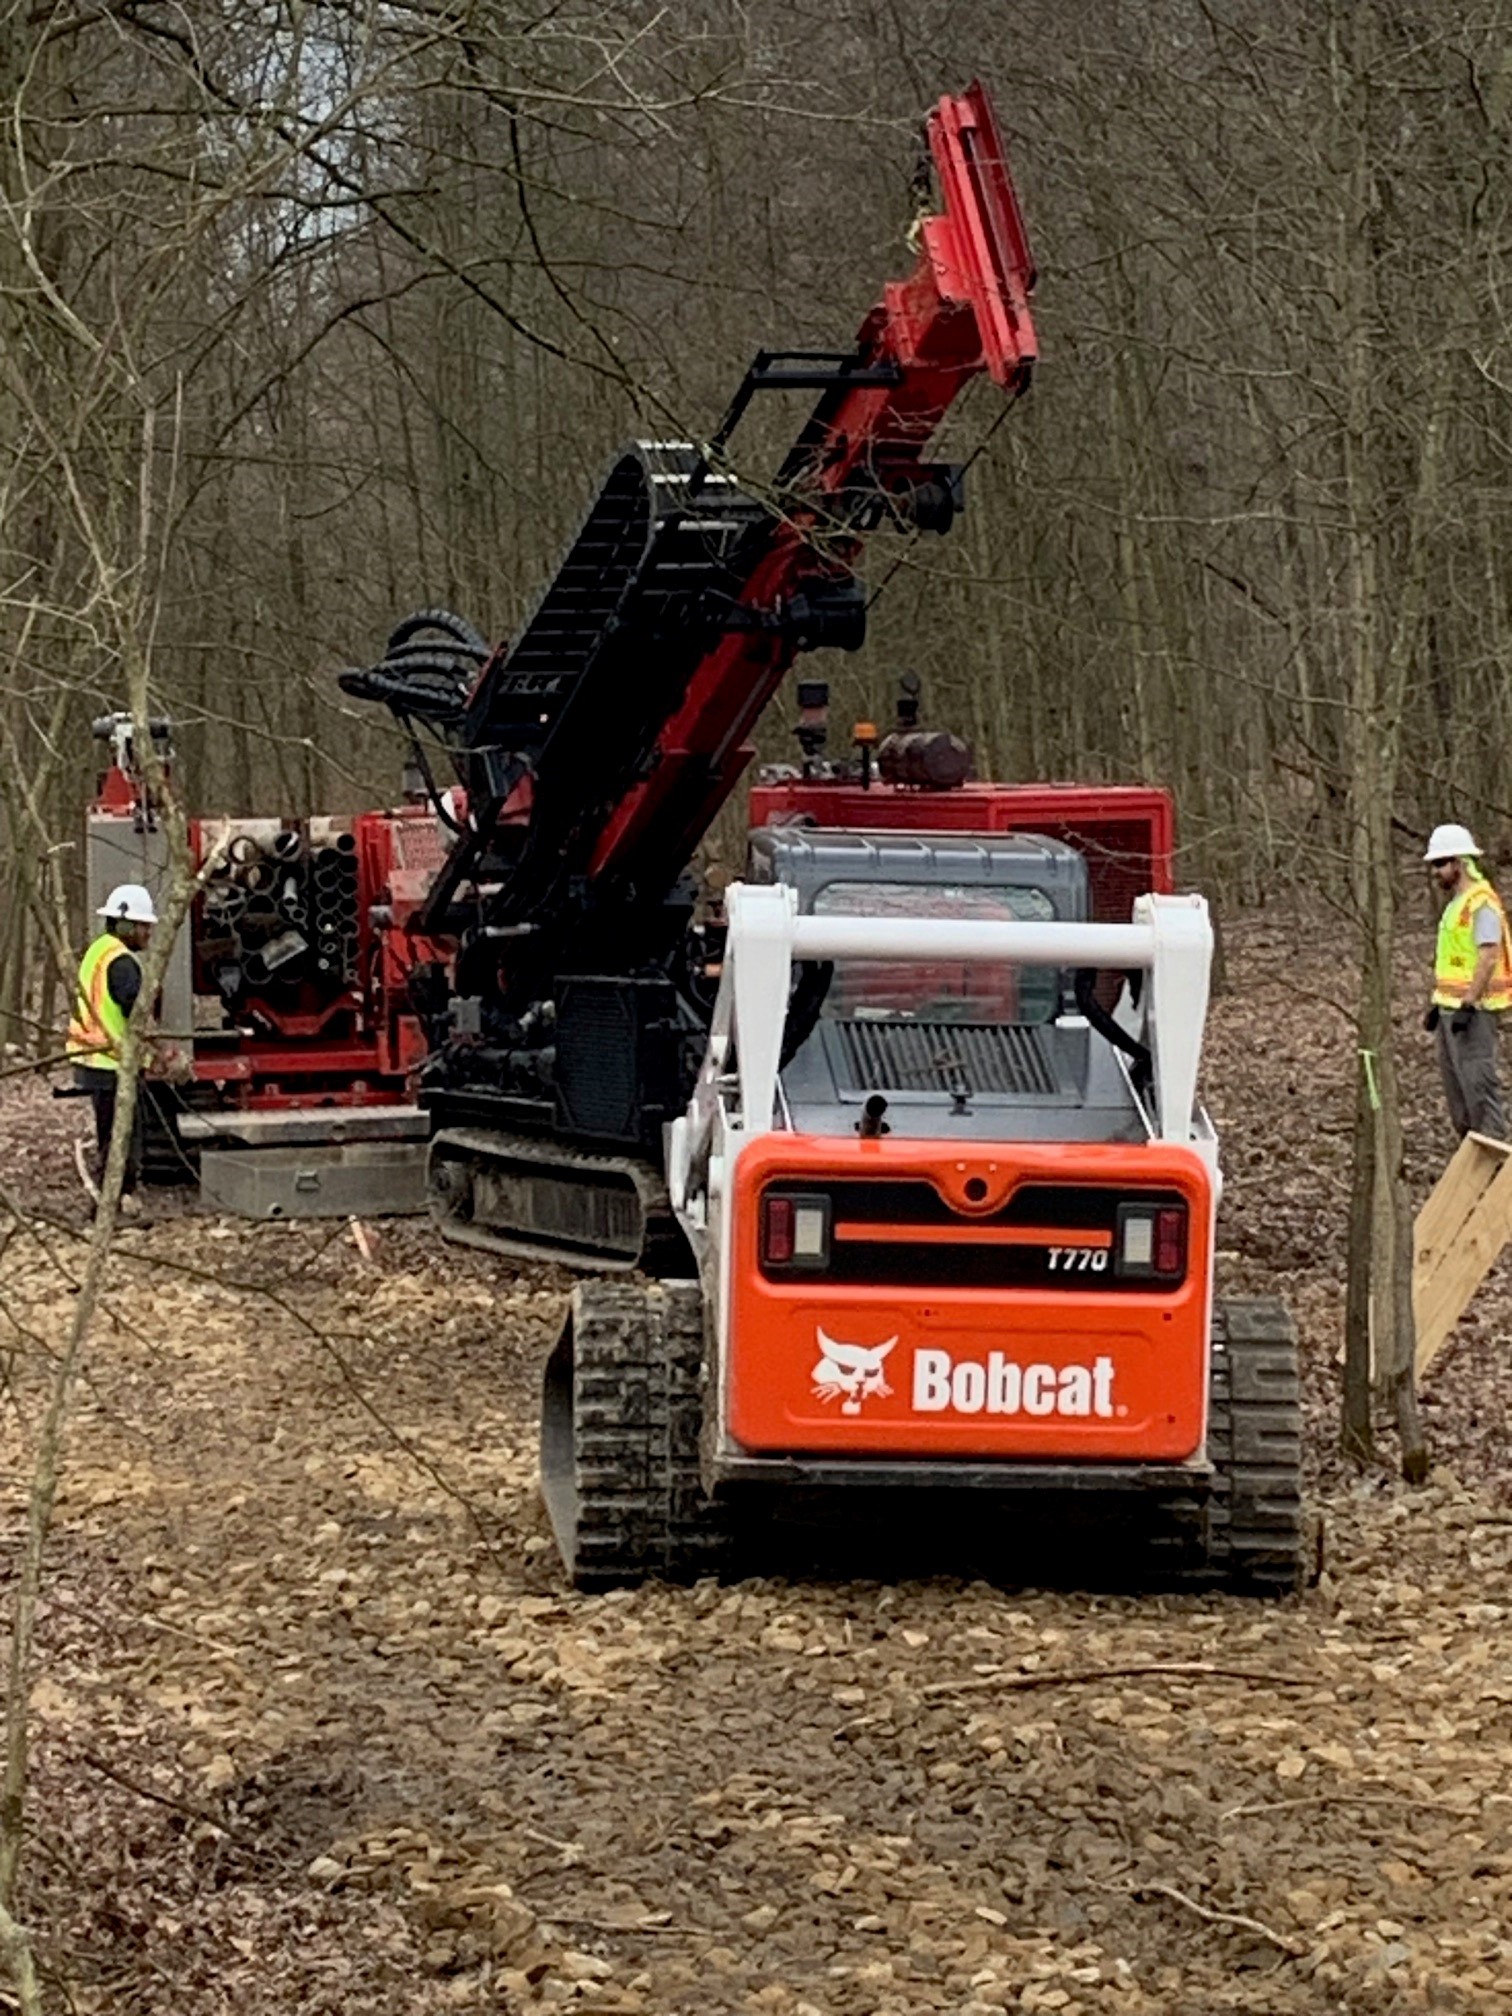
1472	983
110	979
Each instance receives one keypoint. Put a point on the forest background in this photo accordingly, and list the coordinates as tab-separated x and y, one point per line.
314	315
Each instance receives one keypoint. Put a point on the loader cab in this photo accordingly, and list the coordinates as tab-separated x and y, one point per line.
973	1050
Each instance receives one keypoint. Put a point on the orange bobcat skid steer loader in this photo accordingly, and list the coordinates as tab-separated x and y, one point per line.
941	1258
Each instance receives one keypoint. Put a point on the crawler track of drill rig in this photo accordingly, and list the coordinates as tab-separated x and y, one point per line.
530	1199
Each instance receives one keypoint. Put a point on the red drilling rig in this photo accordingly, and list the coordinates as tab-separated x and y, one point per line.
597	746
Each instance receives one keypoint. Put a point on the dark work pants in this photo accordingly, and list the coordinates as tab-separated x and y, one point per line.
1471	1082
101	1086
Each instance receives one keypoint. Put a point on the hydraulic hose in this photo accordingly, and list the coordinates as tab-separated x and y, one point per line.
1110	1030
427	669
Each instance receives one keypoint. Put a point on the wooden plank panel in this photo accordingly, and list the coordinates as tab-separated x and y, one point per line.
1442	1288
1440	1300
1443	1227
1473	1166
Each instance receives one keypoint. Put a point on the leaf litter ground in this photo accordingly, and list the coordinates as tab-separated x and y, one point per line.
319	1725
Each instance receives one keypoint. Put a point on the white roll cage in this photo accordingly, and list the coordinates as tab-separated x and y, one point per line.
1170	939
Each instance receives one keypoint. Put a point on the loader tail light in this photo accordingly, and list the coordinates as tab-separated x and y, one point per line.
1170	1242
1151	1242
795	1232
777	1231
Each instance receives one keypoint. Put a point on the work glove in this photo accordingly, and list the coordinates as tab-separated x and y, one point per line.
178	1065
1431	1019
1460	1020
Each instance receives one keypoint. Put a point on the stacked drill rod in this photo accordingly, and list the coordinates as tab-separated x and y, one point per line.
333	882
279	910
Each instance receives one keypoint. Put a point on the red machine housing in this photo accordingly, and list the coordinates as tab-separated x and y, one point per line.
1126	833
295	983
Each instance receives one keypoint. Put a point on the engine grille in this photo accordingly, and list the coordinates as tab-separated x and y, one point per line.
618	1057
945	1057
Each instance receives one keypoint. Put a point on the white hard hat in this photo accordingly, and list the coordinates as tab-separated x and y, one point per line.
129	903
1451	843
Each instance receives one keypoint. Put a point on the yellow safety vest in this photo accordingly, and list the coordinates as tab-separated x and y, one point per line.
1454	967
98	1025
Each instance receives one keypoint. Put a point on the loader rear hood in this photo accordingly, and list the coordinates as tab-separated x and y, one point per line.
1002	1301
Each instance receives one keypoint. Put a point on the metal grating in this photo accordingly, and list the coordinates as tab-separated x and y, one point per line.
945	1057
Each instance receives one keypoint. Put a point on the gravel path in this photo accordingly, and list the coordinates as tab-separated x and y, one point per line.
319	1726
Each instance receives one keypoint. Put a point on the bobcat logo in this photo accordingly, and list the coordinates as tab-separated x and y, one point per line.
850	1373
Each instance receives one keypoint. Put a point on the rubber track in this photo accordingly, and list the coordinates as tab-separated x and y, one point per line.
663	1248
1258	1540
637	1408
640	1508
